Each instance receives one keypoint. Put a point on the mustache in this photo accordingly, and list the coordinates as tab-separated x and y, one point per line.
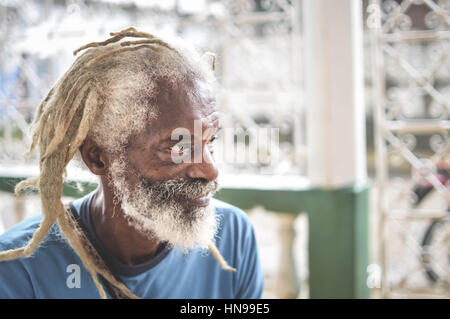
178	188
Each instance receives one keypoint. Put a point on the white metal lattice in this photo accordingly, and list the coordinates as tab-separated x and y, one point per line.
411	82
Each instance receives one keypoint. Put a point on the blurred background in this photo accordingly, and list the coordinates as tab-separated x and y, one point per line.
356	204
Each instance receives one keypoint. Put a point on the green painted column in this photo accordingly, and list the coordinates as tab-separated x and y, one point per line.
339	242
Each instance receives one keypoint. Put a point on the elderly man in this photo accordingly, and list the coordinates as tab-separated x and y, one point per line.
141	115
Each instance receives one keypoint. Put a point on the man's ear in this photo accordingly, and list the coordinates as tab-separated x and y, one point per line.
95	158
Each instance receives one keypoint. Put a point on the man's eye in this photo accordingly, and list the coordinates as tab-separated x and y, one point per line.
211	144
179	148
213	138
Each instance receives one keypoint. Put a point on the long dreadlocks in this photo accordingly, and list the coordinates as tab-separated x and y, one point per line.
105	86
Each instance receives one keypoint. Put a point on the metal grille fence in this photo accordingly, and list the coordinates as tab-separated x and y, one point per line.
411	80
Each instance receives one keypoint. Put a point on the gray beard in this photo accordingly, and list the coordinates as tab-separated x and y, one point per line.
159	211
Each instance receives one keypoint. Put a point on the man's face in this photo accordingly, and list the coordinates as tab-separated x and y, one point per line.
161	197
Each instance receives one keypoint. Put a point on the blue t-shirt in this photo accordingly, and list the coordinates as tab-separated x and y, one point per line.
54	270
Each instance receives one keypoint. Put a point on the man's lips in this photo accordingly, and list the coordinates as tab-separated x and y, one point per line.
201	201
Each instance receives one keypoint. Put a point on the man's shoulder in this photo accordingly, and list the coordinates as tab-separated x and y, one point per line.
42	274
19	234
237	243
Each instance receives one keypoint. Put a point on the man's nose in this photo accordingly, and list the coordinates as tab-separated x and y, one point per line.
205	168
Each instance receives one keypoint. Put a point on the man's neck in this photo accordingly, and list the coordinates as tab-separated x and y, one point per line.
114	232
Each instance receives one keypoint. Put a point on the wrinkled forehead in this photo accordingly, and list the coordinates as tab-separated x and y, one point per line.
180	105
184	99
